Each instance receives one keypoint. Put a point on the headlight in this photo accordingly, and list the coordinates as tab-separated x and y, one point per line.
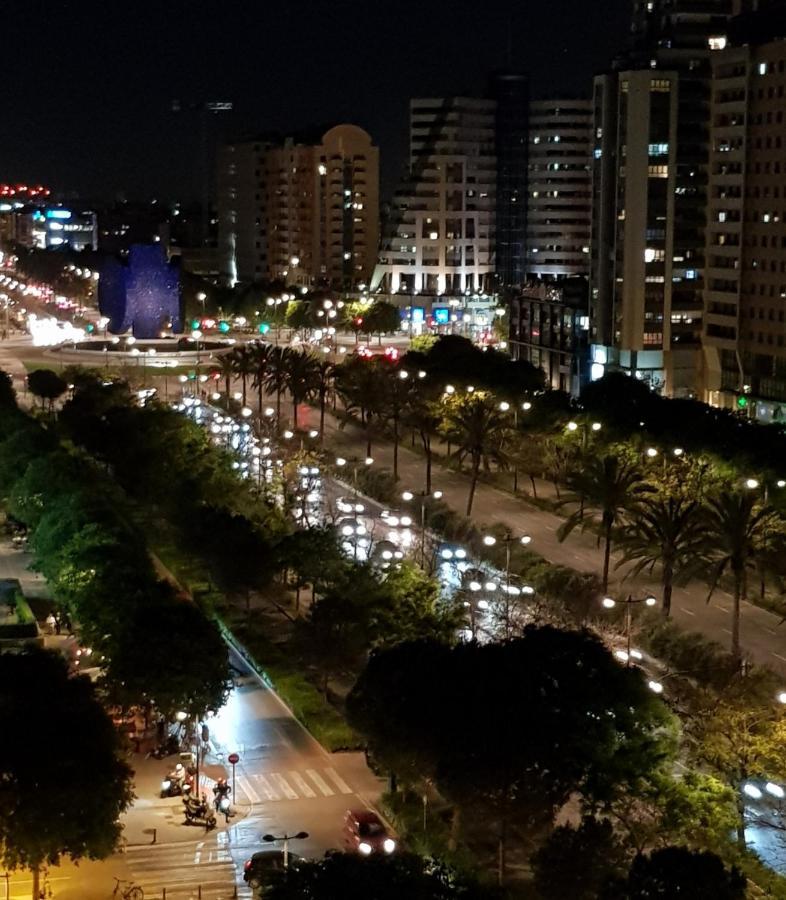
166	785
364	848
389	845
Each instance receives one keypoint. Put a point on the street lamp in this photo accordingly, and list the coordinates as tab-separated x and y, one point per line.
341	462
630	602
408	496
285	838
508	539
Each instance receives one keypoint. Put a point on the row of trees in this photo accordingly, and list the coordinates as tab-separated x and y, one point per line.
157	648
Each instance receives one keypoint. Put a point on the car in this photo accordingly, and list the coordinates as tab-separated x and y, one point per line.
258	870
365	833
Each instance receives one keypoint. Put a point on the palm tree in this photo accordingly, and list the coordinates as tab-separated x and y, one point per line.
739	536
424	416
668	531
357	383
300	371
325	373
243	367
612	485
260	354
226	370
476	426
276	378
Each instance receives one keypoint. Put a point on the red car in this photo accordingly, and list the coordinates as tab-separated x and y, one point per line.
365	833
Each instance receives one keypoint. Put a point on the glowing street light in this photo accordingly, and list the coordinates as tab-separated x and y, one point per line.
407	497
630	601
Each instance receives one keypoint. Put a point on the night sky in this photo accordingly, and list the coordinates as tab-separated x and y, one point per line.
88	85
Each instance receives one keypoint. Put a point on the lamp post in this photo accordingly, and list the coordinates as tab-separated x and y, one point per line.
285	838
630	602
586	428
407	496
508	540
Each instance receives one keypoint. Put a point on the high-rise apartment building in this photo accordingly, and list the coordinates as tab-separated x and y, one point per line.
304	210
745	300
558	216
441	234
650	163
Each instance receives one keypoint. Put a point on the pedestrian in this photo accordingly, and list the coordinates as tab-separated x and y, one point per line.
57	624
51	622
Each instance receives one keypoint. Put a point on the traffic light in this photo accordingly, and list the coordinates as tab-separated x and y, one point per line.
263	328
194	324
90	328
223	327
359	321
742	402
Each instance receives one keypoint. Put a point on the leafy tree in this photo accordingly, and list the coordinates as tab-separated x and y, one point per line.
352	877
169	654
611	484
24	444
667	531
739	737
509	731
577	862
381	318
678	872
299	316
46	385
63	802
475	424
315	557
357	383
620	399
739	533
7	392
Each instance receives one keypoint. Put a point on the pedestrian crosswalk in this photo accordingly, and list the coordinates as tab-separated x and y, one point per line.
308	784
205	871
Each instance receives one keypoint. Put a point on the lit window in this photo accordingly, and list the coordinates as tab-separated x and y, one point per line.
658	149
762	68
718	42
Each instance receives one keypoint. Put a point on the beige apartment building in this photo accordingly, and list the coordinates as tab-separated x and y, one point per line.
304	210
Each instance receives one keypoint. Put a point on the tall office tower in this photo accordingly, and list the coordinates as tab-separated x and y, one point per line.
559	189
510	90
441	234
745	300
304	210
649	195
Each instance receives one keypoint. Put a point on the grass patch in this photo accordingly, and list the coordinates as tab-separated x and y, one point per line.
281	671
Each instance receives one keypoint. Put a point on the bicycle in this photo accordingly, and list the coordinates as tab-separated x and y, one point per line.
132	892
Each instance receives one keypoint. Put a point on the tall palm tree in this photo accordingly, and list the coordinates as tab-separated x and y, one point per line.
325	373
276	378
357	383
424	416
260	354
476	426
243	367
669	531
301	375
610	484
739	535
225	365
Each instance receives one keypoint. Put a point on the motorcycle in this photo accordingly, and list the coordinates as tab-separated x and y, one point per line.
198	812
176	783
168	748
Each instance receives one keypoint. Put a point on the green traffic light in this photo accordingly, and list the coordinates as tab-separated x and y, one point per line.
263	328
223	327
742	402
194	324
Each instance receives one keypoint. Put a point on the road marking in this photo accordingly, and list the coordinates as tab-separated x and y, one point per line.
726	630
265	787
722	608
301	784
320	782
771	630
283	785
245	786
339	781
778	656
688	612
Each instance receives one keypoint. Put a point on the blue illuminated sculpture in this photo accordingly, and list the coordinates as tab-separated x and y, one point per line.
143	296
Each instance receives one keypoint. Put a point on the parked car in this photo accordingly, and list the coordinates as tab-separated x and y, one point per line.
365	833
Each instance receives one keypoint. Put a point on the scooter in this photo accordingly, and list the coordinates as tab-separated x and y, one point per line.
221	792
198	813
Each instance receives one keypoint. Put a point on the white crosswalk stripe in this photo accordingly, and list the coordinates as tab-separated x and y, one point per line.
274	787
183	871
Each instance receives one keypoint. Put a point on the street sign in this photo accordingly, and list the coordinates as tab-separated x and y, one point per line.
233	758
